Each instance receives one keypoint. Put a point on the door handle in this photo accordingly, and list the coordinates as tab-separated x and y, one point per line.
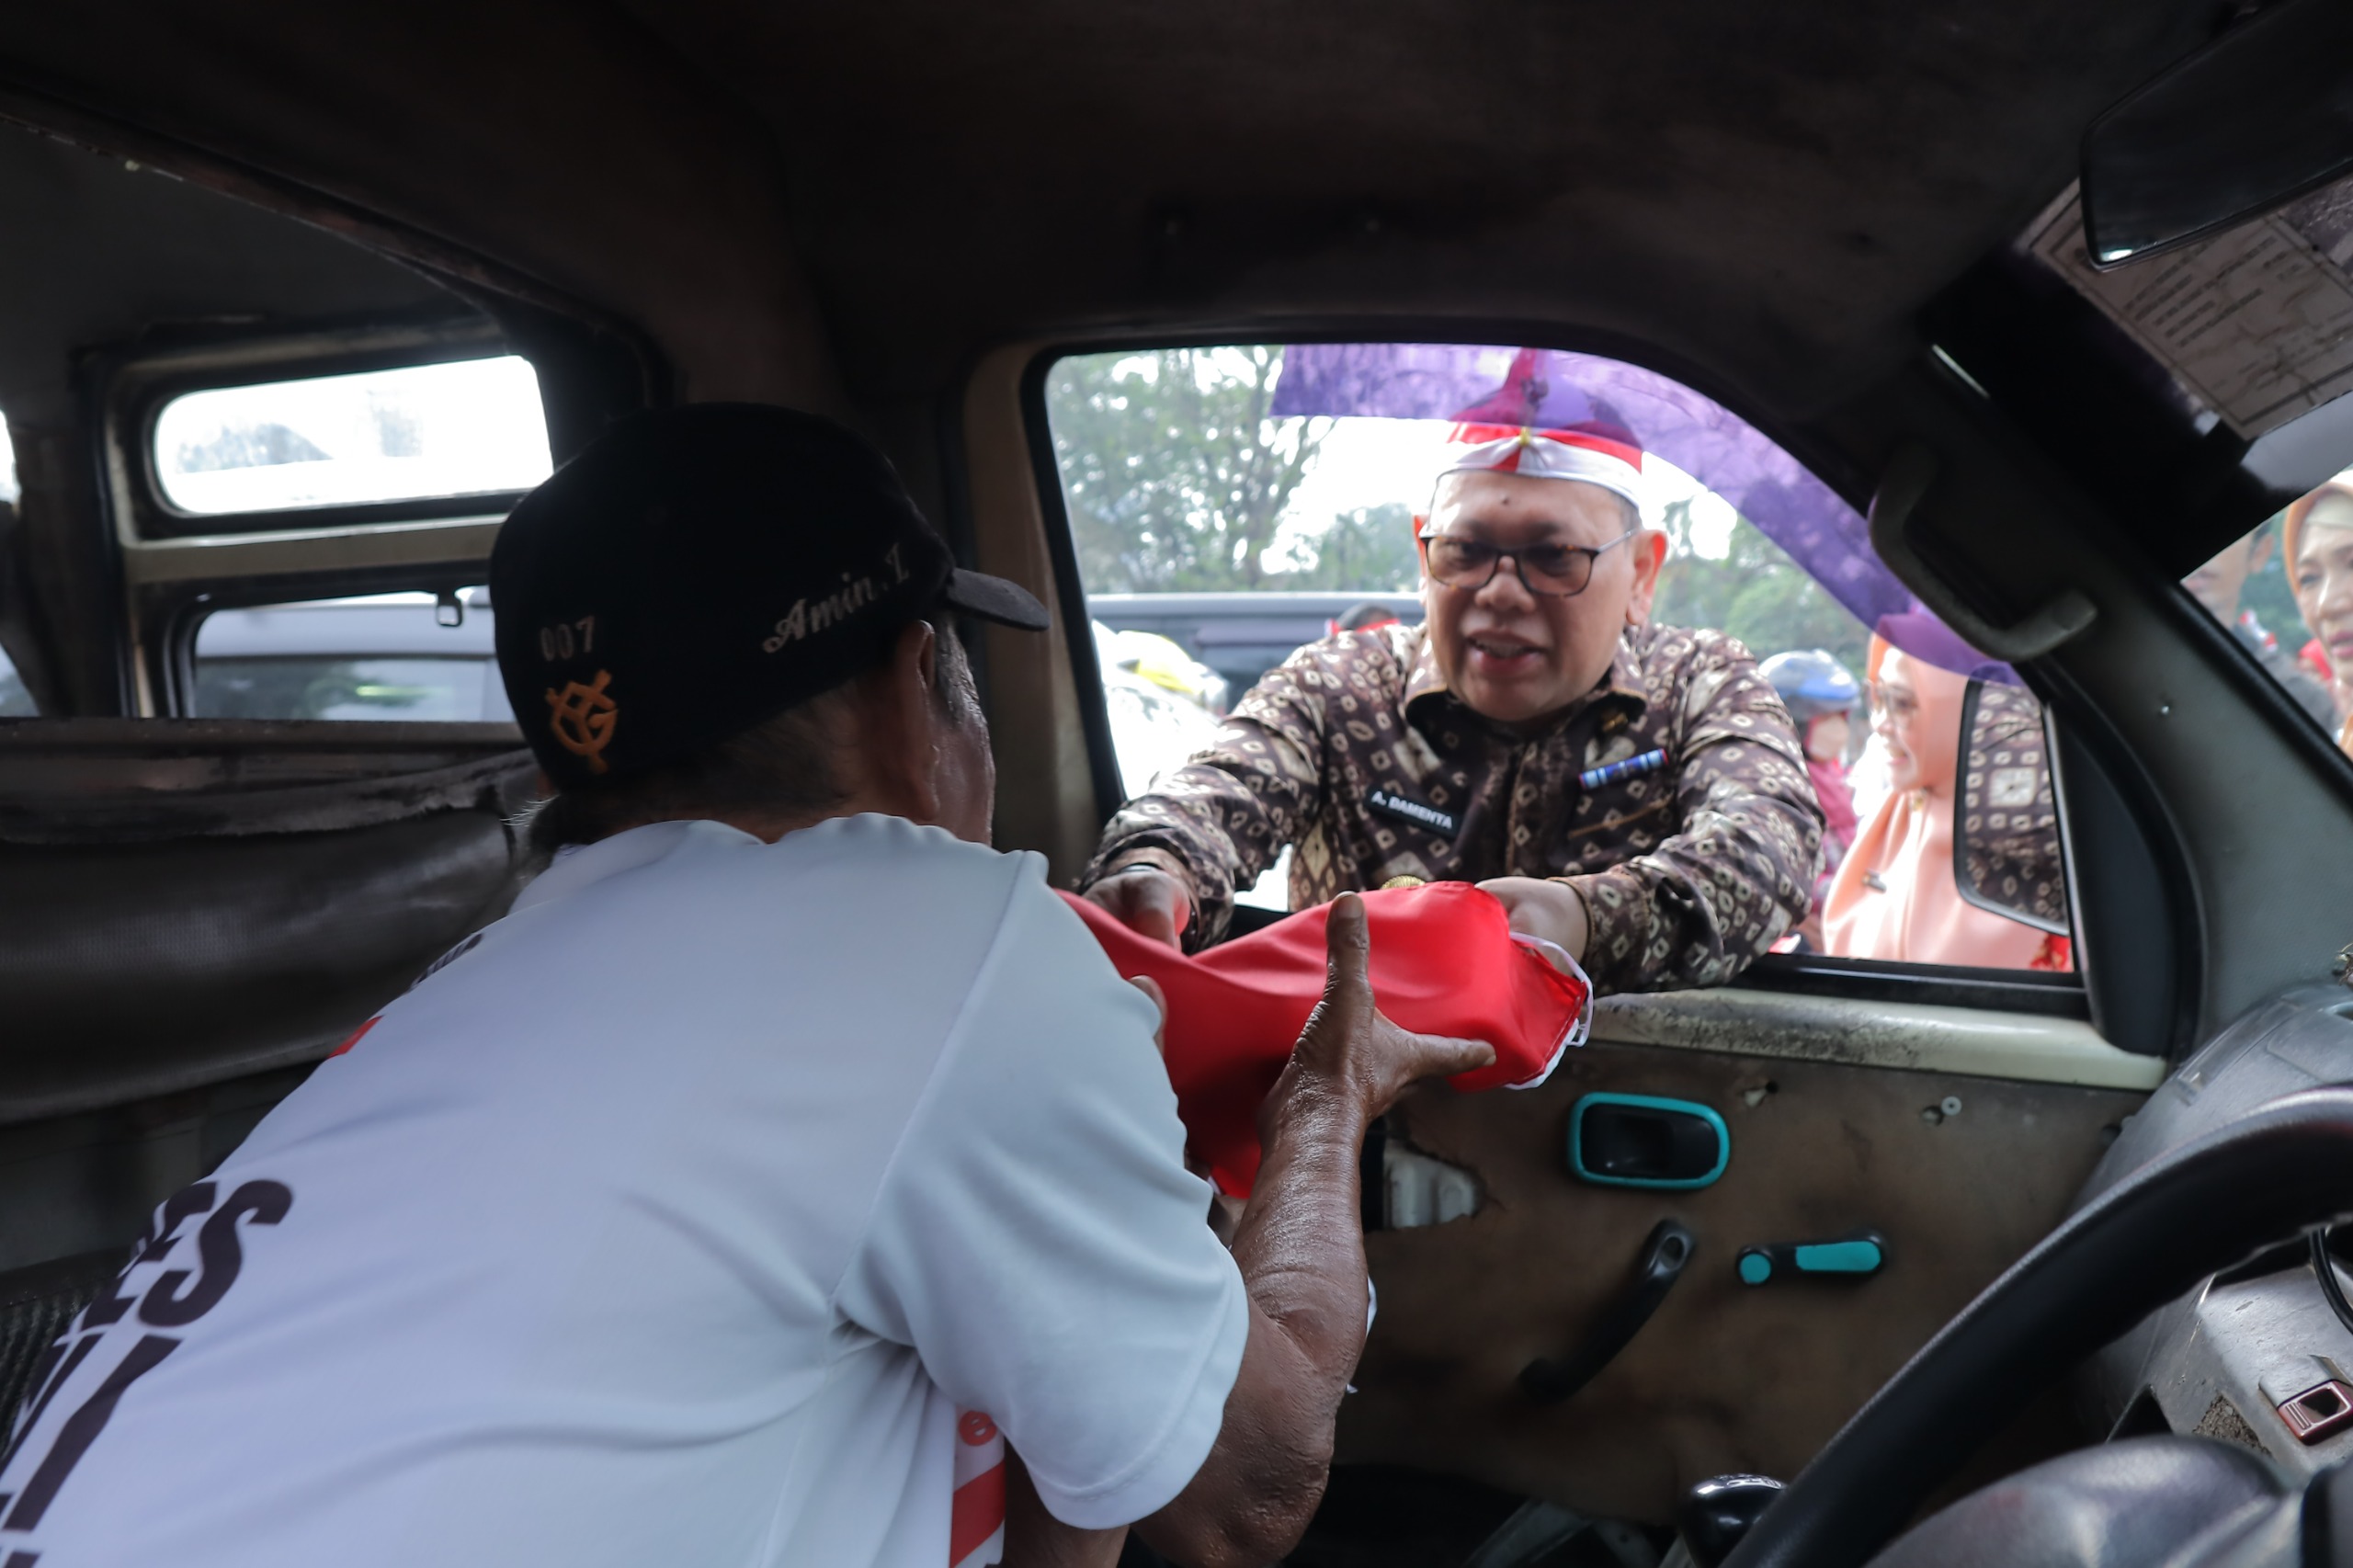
1656	1268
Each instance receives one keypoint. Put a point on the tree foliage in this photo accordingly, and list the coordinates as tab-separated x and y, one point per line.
1177	480
1755	593
1368	549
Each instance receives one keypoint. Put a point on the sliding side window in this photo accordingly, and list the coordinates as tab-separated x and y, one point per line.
309	543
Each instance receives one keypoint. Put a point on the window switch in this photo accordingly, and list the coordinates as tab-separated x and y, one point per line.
2319	1412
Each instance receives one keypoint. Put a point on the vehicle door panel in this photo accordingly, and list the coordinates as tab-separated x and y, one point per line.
1724	1376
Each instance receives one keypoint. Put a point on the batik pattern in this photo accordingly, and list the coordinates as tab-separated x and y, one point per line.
2009	822
1687	871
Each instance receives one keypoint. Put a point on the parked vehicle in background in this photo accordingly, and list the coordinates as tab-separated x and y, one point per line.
425	658
384	656
1172	663
1164	704
1242	635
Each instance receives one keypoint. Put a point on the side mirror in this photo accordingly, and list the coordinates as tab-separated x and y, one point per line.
2254	120
2006	850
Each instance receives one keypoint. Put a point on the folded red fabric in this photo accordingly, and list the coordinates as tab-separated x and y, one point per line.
1444	963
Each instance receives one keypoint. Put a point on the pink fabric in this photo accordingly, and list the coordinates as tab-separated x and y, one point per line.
1444	963
1894	896
1838	799
1918	916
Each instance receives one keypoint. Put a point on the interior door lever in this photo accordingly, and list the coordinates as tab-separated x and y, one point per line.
1660	1264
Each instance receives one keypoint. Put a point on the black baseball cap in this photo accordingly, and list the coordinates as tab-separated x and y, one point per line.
696	571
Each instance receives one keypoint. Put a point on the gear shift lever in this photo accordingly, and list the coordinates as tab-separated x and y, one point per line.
1717	1512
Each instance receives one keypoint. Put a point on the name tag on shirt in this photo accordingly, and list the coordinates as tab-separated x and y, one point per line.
1421	814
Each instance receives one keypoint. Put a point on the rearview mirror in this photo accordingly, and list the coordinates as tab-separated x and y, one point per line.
2005	852
2256	119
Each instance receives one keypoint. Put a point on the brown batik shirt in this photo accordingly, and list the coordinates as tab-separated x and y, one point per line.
1354	752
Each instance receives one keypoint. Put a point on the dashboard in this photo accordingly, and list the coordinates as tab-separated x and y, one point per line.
2256	1356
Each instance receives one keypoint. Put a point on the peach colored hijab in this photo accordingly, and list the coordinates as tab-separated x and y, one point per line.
1894	896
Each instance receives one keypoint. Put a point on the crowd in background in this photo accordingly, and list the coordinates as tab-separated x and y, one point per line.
2299	574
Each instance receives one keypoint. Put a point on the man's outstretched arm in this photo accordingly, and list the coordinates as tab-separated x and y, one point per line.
1301	1250
1217	823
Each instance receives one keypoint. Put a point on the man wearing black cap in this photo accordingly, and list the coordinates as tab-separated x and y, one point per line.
783	1157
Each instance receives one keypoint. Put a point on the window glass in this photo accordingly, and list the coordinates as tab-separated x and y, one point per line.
2248	330
387	656
15	702
474	426
2285	590
1234	504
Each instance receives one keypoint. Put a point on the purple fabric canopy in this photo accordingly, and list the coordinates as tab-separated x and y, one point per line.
1551	388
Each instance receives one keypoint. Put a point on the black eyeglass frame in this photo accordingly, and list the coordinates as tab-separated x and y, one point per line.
1592	553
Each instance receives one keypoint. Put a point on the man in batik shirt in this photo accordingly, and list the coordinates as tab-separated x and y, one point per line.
1634	792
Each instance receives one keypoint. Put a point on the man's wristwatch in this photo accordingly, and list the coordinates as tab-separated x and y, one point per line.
1193	903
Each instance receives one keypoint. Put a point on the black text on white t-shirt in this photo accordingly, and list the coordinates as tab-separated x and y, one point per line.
120	1324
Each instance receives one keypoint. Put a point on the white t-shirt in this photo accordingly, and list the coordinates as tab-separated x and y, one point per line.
703	1212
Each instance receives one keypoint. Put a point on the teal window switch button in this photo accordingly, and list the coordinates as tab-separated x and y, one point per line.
1863	1256
1643	1141
1849	1257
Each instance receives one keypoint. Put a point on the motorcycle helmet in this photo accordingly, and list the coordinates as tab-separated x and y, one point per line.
1812	684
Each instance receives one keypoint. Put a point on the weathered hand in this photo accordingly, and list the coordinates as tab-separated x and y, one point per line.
1349	1045
1301	1250
1147	901
1552	910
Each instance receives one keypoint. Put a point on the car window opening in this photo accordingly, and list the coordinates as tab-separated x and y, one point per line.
1231	505
2284	591
15	701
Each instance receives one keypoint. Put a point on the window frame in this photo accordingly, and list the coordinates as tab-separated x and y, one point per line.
214	606
139	389
2076	997
178	567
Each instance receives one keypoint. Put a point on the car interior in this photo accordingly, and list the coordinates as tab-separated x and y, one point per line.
2023	320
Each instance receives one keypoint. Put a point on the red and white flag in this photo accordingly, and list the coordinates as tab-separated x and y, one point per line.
976	1522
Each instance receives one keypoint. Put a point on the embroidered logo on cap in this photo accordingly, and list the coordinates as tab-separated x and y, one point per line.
581	718
855	597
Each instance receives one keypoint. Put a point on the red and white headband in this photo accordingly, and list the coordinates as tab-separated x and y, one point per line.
1582	455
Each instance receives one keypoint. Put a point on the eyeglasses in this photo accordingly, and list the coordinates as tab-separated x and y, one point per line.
1896	701
1548	570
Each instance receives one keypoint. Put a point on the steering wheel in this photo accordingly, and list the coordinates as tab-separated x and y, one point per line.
2197	1209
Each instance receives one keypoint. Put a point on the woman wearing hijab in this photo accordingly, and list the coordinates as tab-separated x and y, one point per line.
1894	896
2317	540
